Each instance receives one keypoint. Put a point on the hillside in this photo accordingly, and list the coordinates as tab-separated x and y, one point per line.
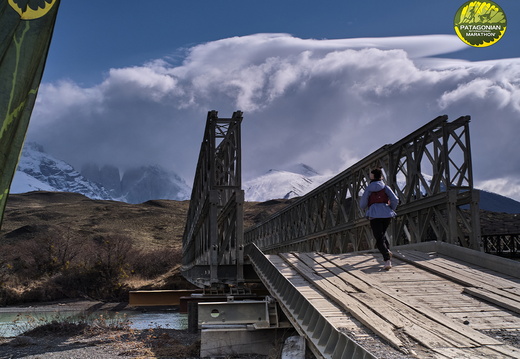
56	244
39	214
152	224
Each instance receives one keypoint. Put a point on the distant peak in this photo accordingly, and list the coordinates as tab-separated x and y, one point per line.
300	169
34	147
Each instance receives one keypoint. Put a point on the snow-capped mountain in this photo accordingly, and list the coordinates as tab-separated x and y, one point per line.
107	176
302	179
152	182
275	184
139	185
39	171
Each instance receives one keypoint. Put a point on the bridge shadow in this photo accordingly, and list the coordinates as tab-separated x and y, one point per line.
367	262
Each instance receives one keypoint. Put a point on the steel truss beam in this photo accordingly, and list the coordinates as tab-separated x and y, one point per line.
506	245
430	170
213	236
324	338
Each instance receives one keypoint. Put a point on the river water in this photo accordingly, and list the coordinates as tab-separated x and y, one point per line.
14	322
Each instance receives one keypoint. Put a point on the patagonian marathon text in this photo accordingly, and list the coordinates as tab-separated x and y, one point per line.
480	27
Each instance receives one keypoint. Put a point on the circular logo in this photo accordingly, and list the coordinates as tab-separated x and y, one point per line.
480	23
30	9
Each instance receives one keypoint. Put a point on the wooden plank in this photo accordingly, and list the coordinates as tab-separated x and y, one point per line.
471	309
304	287
425	262
421	290
494	326
483	274
428	332
425	310
345	276
508	294
456	353
479	322
495	298
343	285
457	338
416	328
358	310
480	314
482	339
472	353
412	282
312	295
458	270
515	291
507	350
400	285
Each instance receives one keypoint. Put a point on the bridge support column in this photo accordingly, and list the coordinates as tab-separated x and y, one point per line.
238	340
475	236
213	236
453	237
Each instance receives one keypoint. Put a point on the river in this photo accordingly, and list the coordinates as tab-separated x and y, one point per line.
16	320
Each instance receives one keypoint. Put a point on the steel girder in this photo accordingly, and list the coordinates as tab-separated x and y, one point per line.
506	245
325	339
213	236
430	171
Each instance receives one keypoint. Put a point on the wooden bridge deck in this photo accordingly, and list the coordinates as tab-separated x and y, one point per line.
428	305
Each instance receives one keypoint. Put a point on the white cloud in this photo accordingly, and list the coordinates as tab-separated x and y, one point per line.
326	103
56	101
498	85
506	186
144	82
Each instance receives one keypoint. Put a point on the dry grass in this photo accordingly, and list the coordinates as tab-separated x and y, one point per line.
57	245
159	343
153	224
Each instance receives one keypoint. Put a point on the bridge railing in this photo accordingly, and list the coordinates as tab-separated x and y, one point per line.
213	236
430	170
505	245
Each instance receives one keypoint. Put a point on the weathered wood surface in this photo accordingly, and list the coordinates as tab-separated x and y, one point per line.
445	306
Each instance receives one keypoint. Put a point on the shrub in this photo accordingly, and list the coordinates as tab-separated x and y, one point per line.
150	264
78	323
63	265
46	255
111	256
100	270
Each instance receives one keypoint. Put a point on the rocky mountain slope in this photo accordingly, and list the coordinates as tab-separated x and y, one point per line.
40	171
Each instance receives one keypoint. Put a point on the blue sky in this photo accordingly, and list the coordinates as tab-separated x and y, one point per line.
90	40
324	83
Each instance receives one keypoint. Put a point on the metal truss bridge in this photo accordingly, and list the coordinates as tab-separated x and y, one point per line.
315	257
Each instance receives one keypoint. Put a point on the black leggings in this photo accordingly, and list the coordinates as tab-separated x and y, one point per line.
379	226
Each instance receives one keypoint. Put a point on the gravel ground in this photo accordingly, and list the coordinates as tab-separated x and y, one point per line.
150	343
88	342
67	341
83	341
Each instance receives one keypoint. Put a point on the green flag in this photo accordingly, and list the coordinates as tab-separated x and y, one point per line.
26	28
